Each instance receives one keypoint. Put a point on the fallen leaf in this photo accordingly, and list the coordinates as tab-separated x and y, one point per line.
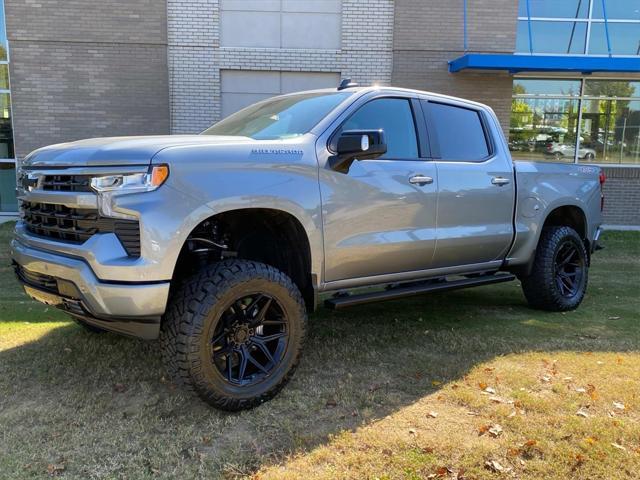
427	449
482	385
489	369
442	471
435	383
432	414
513	452
591	440
591	390
530	443
55	468
495	466
483	429
582	413
618	405
495	430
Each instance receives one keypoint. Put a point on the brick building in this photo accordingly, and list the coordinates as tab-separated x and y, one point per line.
562	75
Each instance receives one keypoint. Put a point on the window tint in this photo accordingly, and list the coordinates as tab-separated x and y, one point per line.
394	116
459	132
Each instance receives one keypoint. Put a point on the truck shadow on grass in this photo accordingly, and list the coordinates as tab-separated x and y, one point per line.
101	403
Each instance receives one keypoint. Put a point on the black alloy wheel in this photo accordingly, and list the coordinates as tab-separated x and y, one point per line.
569	269
250	339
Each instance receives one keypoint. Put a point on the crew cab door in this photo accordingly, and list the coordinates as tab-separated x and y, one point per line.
380	216
476	185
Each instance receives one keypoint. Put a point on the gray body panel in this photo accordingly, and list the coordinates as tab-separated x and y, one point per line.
369	226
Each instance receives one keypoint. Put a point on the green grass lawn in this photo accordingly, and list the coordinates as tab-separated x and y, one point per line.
405	389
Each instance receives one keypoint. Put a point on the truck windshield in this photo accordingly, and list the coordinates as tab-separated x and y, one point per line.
279	118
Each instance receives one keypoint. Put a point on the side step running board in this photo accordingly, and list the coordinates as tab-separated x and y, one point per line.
338	303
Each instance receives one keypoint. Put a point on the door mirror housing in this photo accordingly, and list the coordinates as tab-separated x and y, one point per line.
357	145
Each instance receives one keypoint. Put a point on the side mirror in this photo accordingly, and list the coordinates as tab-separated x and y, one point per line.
357	145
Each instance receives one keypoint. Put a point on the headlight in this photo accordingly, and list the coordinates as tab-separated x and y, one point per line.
111	186
136	182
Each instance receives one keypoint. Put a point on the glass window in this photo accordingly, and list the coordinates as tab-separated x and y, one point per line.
4	76
3	34
555	8
6	131
543	128
544	121
617	9
8	201
612	88
610	131
624	37
279	118
394	116
552	37
522	86
459	131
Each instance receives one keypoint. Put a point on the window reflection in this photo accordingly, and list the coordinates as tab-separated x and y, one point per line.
612	129
555	8
8	201
617	9
543	128
624	37
544	120
552	37
525	86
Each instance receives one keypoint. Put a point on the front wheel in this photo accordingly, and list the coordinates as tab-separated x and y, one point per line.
559	277
233	333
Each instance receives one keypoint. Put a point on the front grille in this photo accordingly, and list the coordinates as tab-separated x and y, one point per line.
77	225
37	280
66	183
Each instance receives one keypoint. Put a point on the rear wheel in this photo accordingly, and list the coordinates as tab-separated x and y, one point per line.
233	333
559	277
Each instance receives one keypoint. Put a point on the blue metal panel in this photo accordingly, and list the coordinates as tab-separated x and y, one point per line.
544	63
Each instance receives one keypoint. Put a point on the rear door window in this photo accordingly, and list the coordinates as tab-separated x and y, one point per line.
459	132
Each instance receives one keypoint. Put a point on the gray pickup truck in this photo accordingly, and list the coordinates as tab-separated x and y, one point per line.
219	244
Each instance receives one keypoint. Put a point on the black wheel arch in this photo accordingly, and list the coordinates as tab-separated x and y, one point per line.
270	236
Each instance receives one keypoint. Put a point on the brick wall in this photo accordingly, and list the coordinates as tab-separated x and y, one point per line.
86	69
195	56
622	196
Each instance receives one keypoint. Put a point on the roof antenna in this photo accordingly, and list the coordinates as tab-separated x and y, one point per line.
347	83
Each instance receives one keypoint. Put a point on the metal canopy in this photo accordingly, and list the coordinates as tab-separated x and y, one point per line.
544	63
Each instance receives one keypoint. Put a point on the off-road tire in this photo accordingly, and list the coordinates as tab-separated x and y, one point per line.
540	287
194	310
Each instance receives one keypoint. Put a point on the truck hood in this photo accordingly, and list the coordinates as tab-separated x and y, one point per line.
117	150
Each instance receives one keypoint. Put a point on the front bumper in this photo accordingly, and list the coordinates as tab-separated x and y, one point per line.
131	308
